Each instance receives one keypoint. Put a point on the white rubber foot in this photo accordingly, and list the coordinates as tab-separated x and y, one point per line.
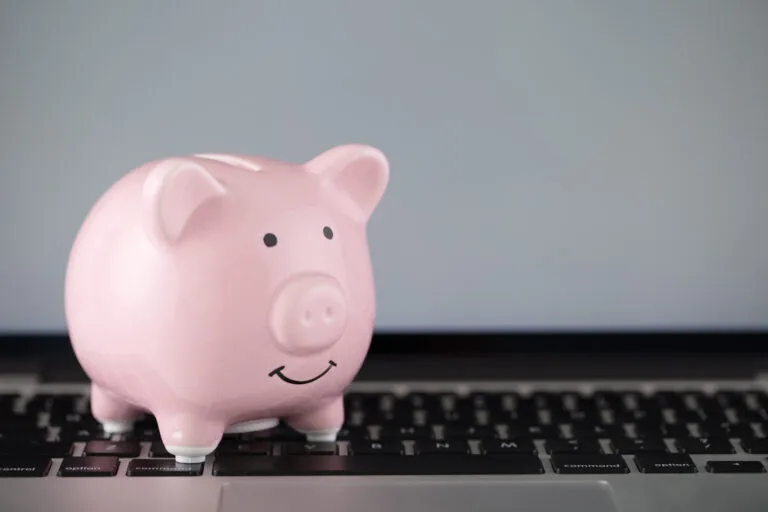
117	427
322	436
190	454
252	426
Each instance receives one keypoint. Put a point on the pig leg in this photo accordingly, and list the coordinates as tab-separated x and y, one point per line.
320	424
189	437
115	415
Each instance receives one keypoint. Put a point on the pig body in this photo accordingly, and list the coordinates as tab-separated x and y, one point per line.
221	293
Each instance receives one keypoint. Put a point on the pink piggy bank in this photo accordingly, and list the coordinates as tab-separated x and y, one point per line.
221	293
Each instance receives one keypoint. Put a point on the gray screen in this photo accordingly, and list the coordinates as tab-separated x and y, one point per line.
554	164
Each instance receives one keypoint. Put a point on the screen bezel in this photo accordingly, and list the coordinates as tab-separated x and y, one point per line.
473	343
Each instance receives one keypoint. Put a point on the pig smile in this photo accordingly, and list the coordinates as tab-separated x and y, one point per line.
278	371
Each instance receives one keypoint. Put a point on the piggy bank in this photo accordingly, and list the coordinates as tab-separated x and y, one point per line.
223	293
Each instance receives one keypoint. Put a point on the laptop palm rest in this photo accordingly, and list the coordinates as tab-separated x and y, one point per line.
418	495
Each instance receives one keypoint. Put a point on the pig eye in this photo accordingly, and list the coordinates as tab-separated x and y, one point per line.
270	240
328	232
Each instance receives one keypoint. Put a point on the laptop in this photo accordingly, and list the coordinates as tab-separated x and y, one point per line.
570	258
623	422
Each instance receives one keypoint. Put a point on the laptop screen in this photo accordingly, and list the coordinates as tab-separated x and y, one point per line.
553	165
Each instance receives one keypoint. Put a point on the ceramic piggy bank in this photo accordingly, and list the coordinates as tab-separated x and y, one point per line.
222	293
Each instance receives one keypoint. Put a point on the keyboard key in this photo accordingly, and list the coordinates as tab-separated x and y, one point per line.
705	445
675	430
53	449
228	447
509	446
383	465
142	434
756	446
441	447
89	466
405	433
735	430
573	446
309	449
162	467
469	432
13	422
735	466
630	446
377	448
114	448
33	434
577	463
584	430
24	466
74	433
157	451
665	463
534	432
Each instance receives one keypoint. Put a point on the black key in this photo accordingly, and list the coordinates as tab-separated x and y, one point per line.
33	434
470	432
441	447
665	463
350	433
452	417
89	466
534	431
508	446
735	466
157	451
705	445
577	463
75	433
377	448
757	445
405	433
19	422
279	433
24	466
383	465
114	448
750	416
737	430
588	430
228	447
309	448
573	446
729	398
487	401
675	430
68	419
54	449
142	434
396	417
160	467
423	401
652	431
630	446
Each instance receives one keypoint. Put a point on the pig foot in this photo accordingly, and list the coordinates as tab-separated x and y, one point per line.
321	424
115	415
190	438
245	427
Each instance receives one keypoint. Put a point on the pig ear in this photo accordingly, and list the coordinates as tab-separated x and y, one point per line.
359	172
174	189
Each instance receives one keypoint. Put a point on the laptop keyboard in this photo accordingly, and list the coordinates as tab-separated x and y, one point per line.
605	432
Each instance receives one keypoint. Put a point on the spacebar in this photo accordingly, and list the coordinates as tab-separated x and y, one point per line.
441	464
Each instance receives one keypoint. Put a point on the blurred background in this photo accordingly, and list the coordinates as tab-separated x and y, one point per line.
555	164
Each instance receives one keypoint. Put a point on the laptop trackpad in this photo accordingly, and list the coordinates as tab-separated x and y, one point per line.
447	495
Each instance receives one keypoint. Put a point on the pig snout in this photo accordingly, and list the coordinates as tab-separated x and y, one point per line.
309	314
